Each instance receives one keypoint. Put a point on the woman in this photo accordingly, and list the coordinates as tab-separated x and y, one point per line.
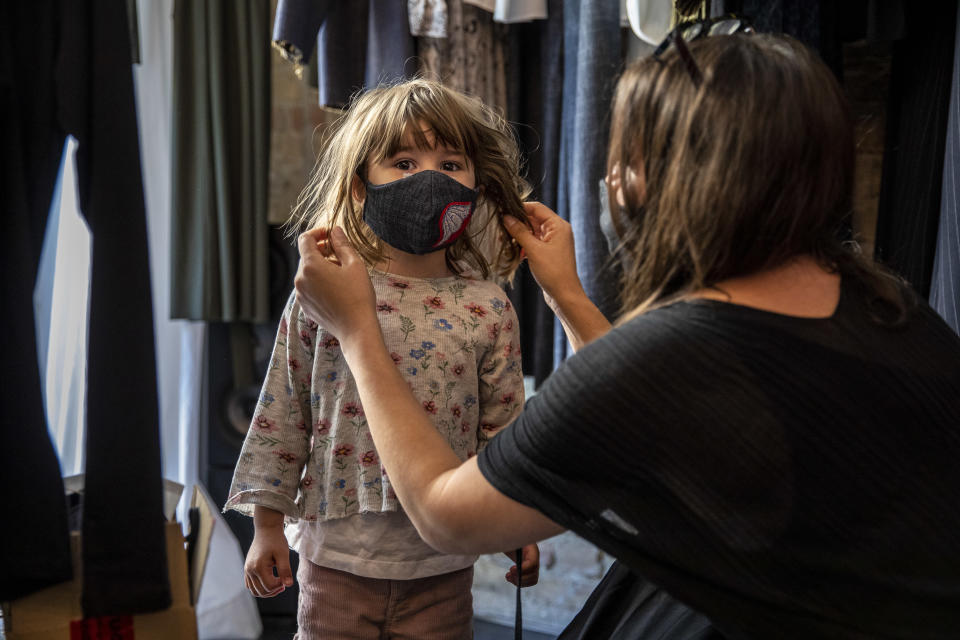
771	431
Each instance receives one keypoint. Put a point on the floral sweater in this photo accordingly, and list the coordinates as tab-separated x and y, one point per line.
309	453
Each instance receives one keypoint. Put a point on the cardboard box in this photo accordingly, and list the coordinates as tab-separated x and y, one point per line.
54	613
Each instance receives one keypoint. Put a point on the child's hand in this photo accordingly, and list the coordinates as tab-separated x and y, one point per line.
269	550
530	566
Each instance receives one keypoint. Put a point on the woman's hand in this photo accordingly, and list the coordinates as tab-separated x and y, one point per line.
333	286
549	250
550	253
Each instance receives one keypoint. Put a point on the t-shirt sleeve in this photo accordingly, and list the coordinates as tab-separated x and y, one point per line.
556	440
278	442
500	374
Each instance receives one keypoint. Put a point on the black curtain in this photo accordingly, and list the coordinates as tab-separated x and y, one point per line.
65	68
921	76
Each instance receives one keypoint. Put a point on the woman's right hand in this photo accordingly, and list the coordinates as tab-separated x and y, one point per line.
549	250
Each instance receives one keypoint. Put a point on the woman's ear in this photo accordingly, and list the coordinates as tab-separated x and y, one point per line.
357	189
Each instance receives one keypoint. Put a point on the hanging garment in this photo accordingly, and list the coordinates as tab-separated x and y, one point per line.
359	44
428	18
534	97
221	153
66	69
472	58
592	60
921	76
945	286
510	11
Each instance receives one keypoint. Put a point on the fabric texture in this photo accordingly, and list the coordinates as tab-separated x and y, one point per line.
428	18
220	155
945	281
309	453
65	68
534	97
472	56
592	60
420	213
624	606
435	608
921	75
373	545
786	477
357	44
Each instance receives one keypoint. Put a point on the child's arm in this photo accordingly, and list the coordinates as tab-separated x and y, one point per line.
278	442
268	550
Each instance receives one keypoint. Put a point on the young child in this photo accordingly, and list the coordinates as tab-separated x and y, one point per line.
419	177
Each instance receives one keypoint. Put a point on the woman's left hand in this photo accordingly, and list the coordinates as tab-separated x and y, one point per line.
333	286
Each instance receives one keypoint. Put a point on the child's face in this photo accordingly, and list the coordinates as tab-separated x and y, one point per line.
410	160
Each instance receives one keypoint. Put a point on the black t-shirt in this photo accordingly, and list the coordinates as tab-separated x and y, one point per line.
788	477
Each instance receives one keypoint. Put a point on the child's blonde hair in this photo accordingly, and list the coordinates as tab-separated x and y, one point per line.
373	128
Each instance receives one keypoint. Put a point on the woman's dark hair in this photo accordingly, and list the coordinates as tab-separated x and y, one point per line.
748	169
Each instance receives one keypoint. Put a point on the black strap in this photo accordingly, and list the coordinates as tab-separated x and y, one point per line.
518	623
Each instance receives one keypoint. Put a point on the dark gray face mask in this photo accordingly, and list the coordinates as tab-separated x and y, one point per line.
419	214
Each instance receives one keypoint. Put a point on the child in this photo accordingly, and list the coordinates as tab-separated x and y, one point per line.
419	177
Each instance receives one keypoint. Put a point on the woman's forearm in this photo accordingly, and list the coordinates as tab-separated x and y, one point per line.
580	318
415	454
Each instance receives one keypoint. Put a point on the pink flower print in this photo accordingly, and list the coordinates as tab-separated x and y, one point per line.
489	427
493	330
350	492
308	379
391	494
352	410
457	369
434	302
507	306
313	326
456	410
508	325
396	357
507	398
507	350
286	456
305	338
386	307
283	326
293	364
369	458
322	426
307	481
343	450
465	427
399	284
302	425
331	343
430	406
475	309
263	423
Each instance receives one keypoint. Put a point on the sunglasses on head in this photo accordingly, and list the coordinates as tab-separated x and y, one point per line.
694	29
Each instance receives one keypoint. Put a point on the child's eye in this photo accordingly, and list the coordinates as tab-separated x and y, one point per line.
403	165
450	165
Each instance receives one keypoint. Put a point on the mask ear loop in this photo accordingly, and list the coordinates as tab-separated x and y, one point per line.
518	622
